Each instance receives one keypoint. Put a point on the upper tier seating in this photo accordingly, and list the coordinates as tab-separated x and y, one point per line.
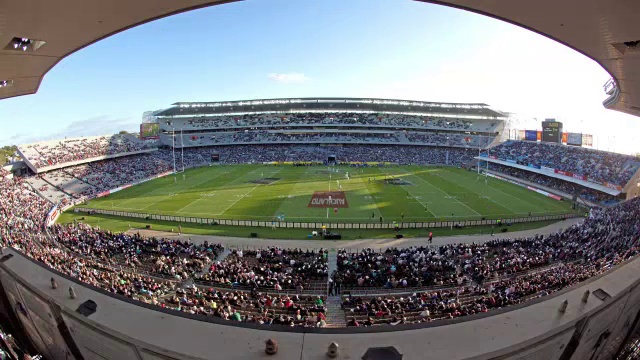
597	165
58	152
353	119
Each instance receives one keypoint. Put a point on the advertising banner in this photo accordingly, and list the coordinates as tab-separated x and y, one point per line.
328	199
531	135
52	216
546	193
534	166
574	139
547	169
539	191
587	140
565	173
120	188
613	186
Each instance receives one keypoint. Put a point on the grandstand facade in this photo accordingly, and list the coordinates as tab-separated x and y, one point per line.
330	121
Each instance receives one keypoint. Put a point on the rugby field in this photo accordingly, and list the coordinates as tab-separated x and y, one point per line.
263	192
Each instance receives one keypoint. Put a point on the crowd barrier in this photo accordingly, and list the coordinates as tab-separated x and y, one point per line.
318	225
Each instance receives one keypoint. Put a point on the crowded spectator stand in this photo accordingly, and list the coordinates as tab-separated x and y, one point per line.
292	287
600	167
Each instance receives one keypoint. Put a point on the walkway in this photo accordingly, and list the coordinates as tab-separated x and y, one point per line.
358	244
220	257
335	315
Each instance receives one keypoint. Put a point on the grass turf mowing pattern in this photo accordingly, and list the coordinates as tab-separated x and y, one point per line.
238	192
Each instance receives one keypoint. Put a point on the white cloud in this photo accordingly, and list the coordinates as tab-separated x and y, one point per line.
288	78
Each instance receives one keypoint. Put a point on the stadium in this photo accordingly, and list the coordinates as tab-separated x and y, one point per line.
301	148
322	228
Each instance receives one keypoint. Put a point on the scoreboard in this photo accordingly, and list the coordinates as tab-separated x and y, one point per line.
552	131
149	131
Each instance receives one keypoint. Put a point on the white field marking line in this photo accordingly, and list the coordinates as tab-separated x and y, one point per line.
421	203
529	192
221	187
245	194
487	197
183	189
303	188
373	200
440	190
161	187
169	195
444	192
536	206
424	204
293	192
526	202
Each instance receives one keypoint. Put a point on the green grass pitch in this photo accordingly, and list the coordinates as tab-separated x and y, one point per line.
236	192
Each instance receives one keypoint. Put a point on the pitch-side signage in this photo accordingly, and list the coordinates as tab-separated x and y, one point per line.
328	199
52	216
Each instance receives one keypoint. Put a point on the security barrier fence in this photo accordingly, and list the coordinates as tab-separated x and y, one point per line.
333	226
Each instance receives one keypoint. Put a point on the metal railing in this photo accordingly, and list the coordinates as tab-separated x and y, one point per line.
333	226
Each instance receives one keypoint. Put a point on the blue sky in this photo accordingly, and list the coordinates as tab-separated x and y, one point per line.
288	48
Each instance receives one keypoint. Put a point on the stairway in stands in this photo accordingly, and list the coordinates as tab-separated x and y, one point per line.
220	257
335	314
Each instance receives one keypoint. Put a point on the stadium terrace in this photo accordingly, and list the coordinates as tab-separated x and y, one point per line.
470	110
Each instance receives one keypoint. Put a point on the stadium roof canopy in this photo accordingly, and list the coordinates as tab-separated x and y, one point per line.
472	110
36	34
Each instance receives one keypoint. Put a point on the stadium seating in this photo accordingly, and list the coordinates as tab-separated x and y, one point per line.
337	119
251	307
74	183
438	279
566	187
88	180
599	166
507	272
156	257
398	268
273	268
369	137
58	152
361	153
